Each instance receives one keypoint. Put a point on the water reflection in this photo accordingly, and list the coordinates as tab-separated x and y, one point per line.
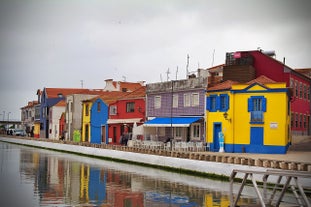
58	179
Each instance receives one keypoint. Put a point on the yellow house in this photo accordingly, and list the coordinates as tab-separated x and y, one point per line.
252	117
86	120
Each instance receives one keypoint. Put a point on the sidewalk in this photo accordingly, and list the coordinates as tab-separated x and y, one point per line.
299	151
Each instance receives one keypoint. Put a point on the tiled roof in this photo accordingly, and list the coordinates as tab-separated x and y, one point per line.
55	92
129	86
30	104
61	103
228	84
138	93
109	96
261	80
222	86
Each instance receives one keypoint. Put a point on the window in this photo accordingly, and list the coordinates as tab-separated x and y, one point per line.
224	102
157	102
215	103
296	121
186	100
296	89
98	106
211	103
257	106
292	120
86	110
301	90
304	91
113	110
300	123
196	131
178	132
305	121
130	107
175	101
195	101
308	93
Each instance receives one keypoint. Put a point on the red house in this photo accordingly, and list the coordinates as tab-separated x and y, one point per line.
126	116
247	65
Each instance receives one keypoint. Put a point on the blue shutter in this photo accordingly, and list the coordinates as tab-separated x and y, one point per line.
250	105
227	102
264	104
208	103
218	103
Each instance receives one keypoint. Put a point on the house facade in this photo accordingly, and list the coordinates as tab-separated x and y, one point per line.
175	110
252	117
74	111
55	113
49	97
95	116
126	116
28	117
243	66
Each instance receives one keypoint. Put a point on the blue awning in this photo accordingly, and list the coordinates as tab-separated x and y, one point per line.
174	121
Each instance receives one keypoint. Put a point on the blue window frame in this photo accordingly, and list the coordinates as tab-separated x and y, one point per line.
257	107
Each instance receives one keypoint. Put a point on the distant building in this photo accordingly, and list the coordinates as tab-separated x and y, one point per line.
254	117
28	117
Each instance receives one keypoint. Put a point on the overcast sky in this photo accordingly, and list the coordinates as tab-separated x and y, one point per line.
58	43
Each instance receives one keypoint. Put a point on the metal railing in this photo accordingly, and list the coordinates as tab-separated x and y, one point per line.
290	184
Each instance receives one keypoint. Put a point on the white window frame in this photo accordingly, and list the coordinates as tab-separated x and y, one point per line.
187	100
175	101
113	110
157	102
195	101
194	127
178	132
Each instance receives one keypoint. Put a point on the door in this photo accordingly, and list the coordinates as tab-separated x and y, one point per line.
217	129
104	135
256	141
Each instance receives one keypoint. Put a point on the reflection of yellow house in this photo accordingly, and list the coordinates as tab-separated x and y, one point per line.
86	120
84	180
253	117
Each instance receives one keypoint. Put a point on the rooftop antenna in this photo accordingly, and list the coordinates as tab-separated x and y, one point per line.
167	74
187	67
213	58
176	72
81	81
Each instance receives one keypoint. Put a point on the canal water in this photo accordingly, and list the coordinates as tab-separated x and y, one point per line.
37	177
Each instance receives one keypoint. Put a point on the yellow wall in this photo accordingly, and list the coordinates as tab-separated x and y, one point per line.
237	129
86	119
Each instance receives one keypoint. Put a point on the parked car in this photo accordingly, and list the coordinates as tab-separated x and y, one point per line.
18	132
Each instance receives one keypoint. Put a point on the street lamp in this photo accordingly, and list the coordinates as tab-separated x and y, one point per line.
8	120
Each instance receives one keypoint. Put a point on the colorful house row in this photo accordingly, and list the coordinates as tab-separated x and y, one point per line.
220	102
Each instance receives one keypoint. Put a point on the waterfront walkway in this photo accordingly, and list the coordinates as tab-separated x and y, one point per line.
297	158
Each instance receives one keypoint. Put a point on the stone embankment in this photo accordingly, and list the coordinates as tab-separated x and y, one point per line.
200	162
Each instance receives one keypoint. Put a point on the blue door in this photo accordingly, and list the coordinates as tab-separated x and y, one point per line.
256	141
217	129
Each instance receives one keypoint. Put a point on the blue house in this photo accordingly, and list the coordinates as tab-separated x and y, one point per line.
99	117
